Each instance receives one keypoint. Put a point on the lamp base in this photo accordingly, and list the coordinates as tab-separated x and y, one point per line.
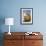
9	33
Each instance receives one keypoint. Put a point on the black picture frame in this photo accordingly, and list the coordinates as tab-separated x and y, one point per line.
26	16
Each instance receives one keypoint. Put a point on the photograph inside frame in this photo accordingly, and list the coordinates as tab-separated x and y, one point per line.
27	16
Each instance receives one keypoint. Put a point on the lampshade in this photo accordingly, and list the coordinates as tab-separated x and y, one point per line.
9	21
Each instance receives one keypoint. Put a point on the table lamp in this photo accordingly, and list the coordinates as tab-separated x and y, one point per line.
9	21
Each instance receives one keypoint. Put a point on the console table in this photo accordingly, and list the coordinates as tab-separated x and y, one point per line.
20	39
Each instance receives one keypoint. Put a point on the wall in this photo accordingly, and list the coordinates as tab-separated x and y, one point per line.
11	8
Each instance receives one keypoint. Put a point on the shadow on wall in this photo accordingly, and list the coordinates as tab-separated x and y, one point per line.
1	39
2	21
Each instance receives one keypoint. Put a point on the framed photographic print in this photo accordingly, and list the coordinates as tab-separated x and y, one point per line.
26	16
